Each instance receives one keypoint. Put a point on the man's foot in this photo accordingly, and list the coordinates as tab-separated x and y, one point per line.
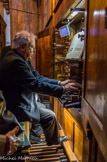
62	139
36	140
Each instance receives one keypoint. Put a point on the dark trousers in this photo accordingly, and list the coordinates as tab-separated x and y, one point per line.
48	123
36	129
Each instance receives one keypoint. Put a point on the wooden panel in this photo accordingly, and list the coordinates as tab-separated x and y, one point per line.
56	2
58	112
23	20
2	33
62	116
96	59
69	128
63	8
78	142
47	7
95	154
45	12
1	9
100	157
45	60
41	20
55	107
26	20
14	19
72	129
70	154
57	5
44	53
94	111
89	117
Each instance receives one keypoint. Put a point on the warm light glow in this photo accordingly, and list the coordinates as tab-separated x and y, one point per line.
97	13
73	14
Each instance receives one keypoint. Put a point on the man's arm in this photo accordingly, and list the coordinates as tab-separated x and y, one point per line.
48	80
45	79
22	77
41	77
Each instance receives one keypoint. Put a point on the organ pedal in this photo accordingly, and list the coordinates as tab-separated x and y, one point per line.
55	153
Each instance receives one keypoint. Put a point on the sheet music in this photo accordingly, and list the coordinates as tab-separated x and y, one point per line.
76	47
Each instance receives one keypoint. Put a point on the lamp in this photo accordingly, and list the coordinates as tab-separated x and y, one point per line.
75	11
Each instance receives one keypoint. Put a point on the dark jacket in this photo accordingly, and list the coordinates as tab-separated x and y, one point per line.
19	82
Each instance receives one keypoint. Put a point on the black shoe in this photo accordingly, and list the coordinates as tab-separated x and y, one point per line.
36	140
62	139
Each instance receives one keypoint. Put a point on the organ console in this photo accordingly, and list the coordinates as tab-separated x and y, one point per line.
68	107
68	64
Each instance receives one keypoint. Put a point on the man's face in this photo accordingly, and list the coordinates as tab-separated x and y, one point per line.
30	50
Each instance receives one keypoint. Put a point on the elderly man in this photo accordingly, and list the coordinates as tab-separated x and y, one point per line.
19	82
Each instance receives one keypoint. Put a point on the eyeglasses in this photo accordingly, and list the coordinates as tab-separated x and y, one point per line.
32	50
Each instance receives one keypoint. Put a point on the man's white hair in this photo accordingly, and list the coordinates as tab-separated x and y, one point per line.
23	37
